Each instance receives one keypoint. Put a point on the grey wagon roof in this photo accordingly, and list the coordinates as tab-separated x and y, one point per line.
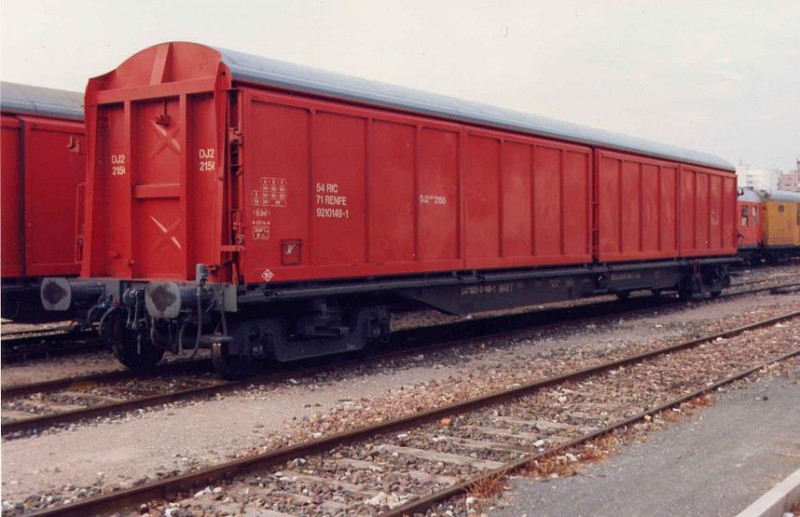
281	74
750	194
34	100
783	195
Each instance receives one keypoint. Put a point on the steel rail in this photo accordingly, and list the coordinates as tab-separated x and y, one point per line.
45	332
421	505
16	349
785	289
556	314
163	488
52	385
406	338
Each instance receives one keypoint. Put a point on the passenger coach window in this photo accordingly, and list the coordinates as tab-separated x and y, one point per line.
745	211
780	208
755	216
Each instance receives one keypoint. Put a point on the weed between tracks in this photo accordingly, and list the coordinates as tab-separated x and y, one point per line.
489	487
569	463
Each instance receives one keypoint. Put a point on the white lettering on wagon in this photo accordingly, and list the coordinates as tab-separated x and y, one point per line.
271	192
267	275
330	204
206	159
432	199
261	229
118	165
499	288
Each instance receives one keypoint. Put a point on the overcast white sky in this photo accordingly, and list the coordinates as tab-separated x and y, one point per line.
716	76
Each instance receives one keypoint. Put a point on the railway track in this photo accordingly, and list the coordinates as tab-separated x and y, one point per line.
6	331
112	392
407	465
38	406
23	346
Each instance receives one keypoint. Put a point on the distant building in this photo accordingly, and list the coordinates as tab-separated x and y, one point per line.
790	180
757	179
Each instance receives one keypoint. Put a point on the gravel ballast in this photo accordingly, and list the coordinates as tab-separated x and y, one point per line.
157	442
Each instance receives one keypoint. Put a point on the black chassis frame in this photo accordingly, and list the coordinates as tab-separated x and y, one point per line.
477	291
460	292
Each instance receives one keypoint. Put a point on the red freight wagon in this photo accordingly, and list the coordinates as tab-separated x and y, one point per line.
43	168
265	209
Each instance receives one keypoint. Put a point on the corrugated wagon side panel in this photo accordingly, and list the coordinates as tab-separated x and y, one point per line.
205	172
703	213
276	182
707	205
516	203
650	207
631	201
688	211
113	195
331	191
608	206
518	194
577	205
547	201
339	168
668	207
391	156
481	232
637	207
439	225
729	217
11	188
717	211
54	173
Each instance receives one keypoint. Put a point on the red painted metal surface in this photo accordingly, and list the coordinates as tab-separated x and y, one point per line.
11	189
385	194
748	224
155	181
43	170
188	166
649	209
637	206
707	212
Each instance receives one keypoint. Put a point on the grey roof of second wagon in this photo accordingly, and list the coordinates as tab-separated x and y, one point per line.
45	102
281	74
752	195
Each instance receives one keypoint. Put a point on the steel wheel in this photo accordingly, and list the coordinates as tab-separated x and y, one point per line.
127	345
